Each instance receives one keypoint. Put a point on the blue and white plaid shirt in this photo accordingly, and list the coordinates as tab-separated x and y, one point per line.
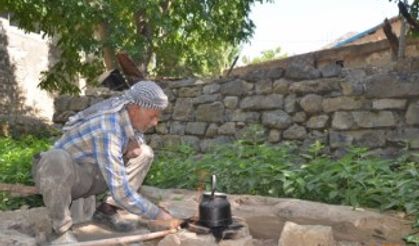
102	141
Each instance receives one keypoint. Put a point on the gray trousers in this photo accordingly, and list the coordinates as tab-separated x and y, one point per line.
69	188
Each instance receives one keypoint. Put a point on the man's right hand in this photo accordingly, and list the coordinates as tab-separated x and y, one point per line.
164	221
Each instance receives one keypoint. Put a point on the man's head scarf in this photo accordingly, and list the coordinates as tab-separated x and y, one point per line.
146	94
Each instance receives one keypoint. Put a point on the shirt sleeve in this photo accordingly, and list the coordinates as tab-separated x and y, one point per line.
108	149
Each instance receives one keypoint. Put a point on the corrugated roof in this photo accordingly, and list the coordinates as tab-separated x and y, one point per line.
363	34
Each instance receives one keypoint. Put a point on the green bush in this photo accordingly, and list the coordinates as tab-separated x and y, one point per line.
281	171
15	167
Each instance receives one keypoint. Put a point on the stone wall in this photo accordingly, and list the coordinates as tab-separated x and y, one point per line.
375	107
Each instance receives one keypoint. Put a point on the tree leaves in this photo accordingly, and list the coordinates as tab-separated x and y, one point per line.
177	37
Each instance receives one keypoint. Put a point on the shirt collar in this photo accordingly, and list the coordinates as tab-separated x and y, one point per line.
129	130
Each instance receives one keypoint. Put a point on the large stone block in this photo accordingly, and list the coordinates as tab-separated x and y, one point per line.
228	128
276	119
363	138
412	114
405	136
299	117
189	91
368	119
62	103
212	130
263	86
231	102
331	70
302	72
380	104
281	86
295	132
290	104
170	141
320	86
259	74
344	103
343	120
79	103
306	235
250	117
211	88
311	103
177	128
206	98
274	136
274	101
191	141
183	109
196	128
236	88
213	112
389	86
318	121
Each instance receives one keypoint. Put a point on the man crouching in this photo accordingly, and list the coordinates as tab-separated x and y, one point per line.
102	148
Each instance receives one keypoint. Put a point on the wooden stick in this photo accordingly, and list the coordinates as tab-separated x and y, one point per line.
124	239
18	189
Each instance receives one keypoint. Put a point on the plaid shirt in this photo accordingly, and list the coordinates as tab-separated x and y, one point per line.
102	140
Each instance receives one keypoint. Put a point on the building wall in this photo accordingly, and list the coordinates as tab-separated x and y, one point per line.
24	57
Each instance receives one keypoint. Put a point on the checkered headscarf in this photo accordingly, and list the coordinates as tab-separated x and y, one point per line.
146	94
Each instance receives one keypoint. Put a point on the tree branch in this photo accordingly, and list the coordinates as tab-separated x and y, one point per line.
407	16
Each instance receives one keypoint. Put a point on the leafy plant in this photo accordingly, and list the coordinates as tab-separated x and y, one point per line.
247	167
15	167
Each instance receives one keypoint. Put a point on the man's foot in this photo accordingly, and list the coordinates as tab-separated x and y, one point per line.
107	214
65	238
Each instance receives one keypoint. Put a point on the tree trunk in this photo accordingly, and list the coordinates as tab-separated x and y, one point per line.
108	52
144	30
402	38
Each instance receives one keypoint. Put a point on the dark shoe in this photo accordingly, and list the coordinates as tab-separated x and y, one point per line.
65	238
114	221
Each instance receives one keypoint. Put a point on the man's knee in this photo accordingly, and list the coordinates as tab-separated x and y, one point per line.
147	151
54	163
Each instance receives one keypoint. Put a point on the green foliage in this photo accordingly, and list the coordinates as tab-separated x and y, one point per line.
184	37
414	237
267	55
280	171
15	167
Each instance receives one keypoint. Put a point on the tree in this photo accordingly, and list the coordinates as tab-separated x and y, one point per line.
179	37
409	15
266	55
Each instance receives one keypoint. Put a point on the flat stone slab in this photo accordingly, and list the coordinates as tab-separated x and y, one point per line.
265	216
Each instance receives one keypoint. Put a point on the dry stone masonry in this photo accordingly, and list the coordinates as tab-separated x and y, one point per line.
374	107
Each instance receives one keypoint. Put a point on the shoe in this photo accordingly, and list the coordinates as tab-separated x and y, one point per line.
114	221
65	238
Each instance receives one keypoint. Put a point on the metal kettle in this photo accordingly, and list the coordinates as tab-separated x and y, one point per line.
214	208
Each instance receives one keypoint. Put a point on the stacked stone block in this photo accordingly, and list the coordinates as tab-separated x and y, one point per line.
371	107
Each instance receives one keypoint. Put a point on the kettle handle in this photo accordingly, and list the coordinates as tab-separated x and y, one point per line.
213	184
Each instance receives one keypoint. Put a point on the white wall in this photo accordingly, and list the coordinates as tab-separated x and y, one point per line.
28	52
